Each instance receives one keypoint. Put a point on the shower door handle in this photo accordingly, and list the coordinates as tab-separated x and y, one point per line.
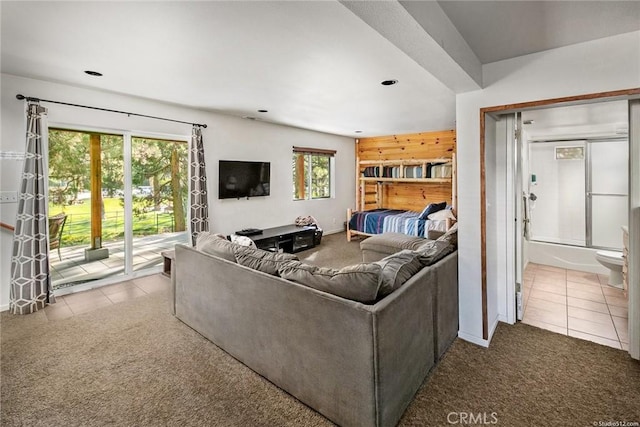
590	194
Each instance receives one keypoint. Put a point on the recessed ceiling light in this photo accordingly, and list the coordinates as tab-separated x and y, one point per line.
263	111
389	82
357	131
93	73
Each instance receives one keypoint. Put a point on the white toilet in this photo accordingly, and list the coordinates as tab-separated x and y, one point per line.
613	261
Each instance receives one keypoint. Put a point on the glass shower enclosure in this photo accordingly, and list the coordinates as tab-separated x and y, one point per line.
581	192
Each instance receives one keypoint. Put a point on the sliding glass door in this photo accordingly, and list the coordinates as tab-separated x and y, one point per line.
581	192
609	192
557	181
115	203
159	170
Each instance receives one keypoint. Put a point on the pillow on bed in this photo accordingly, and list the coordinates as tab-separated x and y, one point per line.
432	208
442	215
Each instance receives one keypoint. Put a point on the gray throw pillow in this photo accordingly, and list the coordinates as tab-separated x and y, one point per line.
451	236
358	282
215	244
433	251
397	269
257	259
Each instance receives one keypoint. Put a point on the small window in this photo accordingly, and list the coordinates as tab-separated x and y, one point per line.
570	153
312	170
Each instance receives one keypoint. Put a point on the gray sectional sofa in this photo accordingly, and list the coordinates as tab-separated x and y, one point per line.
358	364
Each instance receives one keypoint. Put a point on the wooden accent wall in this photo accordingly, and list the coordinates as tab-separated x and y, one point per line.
402	195
415	197
423	145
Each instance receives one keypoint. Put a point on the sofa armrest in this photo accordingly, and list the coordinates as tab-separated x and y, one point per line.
405	344
446	302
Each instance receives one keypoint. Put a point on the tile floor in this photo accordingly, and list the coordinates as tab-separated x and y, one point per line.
73	268
577	304
85	301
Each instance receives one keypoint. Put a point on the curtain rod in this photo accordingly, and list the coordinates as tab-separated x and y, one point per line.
31	99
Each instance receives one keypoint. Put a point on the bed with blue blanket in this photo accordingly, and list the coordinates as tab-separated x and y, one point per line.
378	221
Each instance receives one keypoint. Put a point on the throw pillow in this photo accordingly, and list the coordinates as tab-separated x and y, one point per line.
431	208
397	269
215	244
257	259
442	215
433	251
451	236
243	241
358	282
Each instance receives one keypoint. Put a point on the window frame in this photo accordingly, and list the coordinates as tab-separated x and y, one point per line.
308	154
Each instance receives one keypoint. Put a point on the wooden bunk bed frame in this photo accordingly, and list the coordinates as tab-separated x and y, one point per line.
404	193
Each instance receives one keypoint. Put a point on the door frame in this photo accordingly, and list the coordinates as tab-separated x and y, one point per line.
127	135
626	94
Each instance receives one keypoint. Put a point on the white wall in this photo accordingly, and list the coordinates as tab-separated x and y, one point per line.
238	139
607	64
225	138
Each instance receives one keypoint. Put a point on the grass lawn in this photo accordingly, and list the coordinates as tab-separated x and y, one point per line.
77	229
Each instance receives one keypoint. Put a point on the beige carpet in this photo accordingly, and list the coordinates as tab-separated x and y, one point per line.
134	364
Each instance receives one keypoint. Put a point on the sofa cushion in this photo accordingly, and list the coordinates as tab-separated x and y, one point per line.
215	244
390	243
397	269
358	282
433	251
258	259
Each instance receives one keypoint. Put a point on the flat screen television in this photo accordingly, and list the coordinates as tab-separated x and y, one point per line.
238	179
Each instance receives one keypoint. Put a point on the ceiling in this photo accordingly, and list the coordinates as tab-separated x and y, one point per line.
497	30
316	65
610	118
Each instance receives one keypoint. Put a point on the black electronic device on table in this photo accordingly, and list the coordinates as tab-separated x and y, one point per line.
249	232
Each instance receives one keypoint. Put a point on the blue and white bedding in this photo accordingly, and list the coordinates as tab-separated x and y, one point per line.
378	221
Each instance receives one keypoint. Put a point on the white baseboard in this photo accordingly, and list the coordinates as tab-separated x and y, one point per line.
4	307
493	327
503	318
473	339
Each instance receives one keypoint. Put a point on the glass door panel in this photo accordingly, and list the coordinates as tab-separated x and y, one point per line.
608	215
557	178
609	192
159	178
86	230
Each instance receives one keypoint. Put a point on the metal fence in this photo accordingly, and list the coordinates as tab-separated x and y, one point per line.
77	229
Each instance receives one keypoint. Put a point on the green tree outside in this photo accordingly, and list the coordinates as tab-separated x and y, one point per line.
159	182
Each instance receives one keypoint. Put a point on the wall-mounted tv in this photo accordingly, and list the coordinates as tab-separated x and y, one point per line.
238	179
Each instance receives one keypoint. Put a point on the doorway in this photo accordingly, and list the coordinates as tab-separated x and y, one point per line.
575	183
116	201
497	179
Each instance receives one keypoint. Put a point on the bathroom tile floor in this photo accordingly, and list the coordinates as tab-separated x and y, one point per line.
577	304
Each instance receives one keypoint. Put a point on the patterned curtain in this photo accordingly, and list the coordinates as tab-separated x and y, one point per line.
30	282
198	186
